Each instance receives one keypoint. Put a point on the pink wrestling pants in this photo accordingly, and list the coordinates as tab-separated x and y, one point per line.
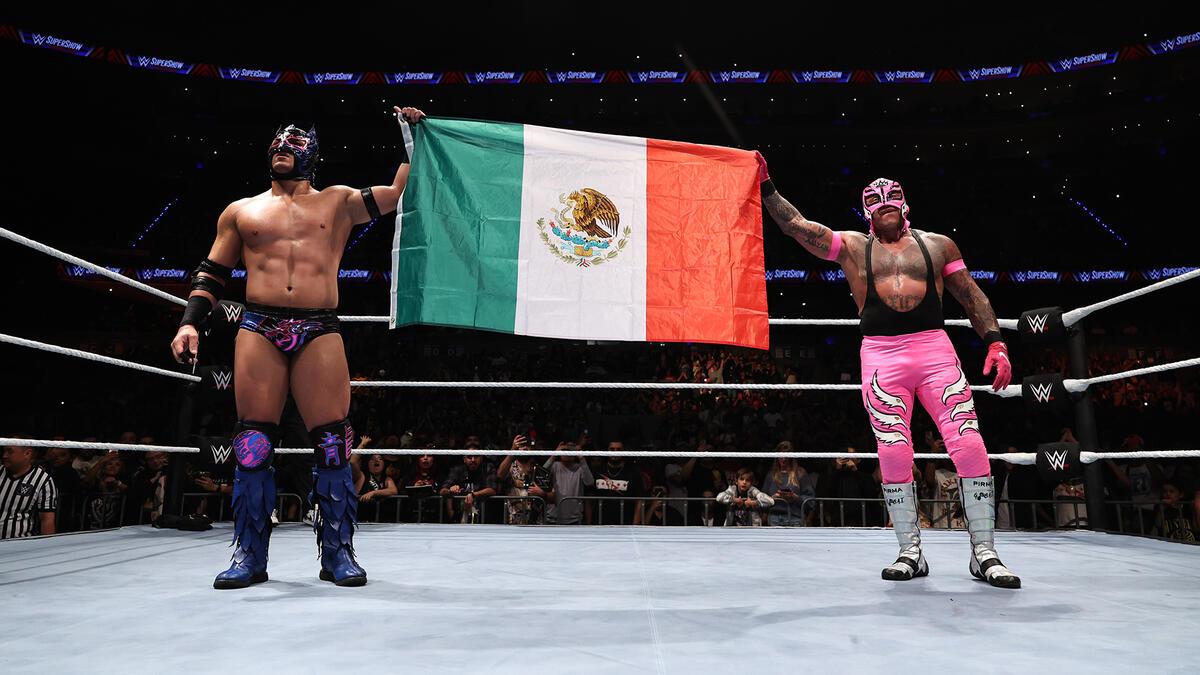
896	367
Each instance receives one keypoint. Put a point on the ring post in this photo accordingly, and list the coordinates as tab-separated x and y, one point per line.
1085	429
183	436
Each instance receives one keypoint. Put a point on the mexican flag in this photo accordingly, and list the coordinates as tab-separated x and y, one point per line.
568	234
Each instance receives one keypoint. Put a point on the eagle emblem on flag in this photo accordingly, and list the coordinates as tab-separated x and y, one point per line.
586	231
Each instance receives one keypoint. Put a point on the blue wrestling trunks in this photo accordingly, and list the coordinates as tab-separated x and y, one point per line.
289	328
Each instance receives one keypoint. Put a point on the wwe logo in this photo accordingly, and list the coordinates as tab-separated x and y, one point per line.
233	313
143	61
1037	323
39	40
221	453
222	379
973	73
1041	392
1058	460
1066	64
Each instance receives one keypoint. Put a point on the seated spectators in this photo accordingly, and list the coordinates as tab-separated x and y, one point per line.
105	493
69	486
621	487
147	490
791	487
941	479
1196	516
850	479
211	479
474	480
523	477
686	478
570	477
373	486
420	483
1172	523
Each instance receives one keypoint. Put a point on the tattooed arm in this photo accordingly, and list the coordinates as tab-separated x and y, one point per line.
968	294
813	236
983	319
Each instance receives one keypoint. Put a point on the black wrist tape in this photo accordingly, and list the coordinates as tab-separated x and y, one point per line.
197	311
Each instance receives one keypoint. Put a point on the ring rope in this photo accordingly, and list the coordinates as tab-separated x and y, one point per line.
1069	318
102	271
99	358
1011	391
1089	457
1080	385
95	445
1010	457
1072	317
133	283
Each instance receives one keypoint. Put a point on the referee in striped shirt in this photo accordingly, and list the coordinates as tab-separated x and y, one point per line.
28	498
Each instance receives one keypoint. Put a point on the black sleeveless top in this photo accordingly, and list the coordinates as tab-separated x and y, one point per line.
879	319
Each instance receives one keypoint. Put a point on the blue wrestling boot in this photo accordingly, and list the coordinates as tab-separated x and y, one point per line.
336	503
337	516
253	499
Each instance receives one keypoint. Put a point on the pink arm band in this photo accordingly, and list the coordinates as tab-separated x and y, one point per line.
835	246
953	266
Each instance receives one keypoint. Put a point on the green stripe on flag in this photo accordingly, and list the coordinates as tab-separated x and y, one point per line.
460	226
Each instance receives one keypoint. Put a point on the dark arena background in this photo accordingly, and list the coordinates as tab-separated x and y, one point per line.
1057	148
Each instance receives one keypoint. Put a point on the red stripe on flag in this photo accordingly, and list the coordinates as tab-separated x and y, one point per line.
705	278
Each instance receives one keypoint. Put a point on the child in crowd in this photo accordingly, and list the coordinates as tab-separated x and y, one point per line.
746	502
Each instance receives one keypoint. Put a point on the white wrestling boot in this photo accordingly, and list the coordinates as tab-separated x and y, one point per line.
901	503
980	508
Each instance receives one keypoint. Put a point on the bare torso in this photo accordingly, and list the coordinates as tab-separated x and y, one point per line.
899	268
292	247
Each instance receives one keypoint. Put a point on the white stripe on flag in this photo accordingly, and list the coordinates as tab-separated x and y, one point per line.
563	299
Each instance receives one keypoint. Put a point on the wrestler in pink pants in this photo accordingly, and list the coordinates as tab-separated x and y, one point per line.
924	363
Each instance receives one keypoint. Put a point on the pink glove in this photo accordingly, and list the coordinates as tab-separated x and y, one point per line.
997	357
763	176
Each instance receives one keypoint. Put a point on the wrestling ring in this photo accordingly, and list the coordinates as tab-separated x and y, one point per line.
503	598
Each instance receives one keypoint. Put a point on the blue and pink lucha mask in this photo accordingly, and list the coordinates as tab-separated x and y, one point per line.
304	148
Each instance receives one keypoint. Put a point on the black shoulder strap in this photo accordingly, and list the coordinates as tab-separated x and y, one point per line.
369	200
929	275
870	272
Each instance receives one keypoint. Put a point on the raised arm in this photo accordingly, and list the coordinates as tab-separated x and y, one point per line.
383	197
979	310
813	236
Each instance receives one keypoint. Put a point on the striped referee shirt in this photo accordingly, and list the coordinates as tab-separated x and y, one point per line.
23	499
